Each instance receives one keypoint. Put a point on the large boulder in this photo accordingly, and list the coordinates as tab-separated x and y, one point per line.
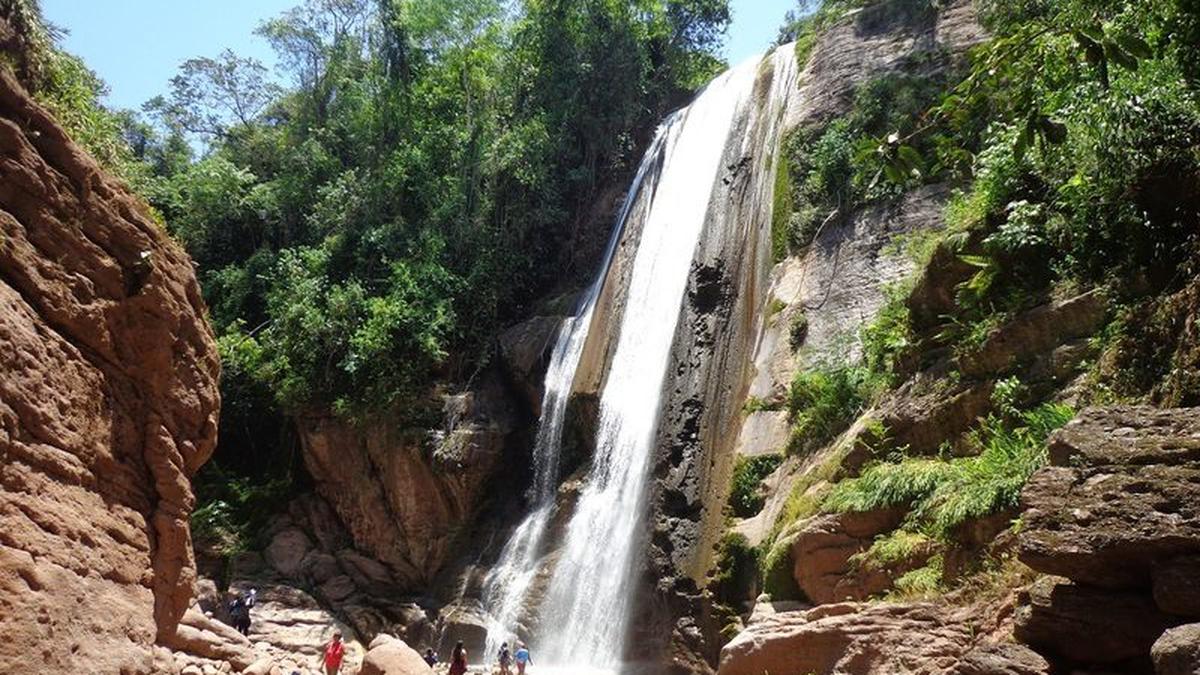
1080	624
525	352
108	406
850	638
465	621
1122	497
1002	659
1177	651
390	656
822	552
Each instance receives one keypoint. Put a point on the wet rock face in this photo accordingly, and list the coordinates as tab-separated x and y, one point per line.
405	494
108	405
525	352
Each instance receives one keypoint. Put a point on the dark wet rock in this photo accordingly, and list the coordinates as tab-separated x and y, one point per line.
1087	625
1177	585
525	352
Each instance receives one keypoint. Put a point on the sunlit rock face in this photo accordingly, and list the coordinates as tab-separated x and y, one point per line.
405	494
108	405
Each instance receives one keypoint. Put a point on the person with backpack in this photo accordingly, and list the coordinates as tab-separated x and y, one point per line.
505	659
523	658
239	615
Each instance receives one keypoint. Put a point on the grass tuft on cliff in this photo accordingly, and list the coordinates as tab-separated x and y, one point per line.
942	494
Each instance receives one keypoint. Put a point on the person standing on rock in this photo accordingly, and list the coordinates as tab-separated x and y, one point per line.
458	660
430	657
335	651
523	658
505	659
239	615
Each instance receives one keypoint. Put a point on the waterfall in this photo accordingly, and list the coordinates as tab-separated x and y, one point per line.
584	614
508	582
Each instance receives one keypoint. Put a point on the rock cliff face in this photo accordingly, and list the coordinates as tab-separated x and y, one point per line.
108	405
406	494
729	345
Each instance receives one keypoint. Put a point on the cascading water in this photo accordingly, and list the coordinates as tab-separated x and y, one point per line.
508	583
584	613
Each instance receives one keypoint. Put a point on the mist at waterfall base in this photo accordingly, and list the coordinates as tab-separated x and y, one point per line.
585	611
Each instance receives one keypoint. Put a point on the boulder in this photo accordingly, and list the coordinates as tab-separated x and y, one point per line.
525	352
1177	585
823	547
108	406
206	637
464	621
1035	333
1123	497
863	639
319	567
1088	625
287	550
263	666
390	656
337	589
1002	659
1128	436
1177	651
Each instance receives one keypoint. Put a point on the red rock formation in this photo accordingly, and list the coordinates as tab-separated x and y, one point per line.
108	405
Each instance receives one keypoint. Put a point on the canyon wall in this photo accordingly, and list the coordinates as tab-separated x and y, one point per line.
108	405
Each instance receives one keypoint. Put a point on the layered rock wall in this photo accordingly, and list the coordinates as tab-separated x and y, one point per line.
108	405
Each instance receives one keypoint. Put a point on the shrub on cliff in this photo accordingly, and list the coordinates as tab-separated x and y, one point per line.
944	493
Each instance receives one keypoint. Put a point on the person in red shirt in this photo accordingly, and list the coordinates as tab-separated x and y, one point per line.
335	651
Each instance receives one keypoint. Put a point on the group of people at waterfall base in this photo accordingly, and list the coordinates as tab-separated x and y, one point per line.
335	651
505	658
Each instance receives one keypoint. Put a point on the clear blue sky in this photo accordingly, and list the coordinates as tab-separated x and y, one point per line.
137	45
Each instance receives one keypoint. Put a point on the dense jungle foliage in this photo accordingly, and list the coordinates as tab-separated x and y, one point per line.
416	175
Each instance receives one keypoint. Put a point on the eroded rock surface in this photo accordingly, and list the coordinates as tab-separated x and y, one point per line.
1123	496
108	405
866	639
404	494
1081	624
823	548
